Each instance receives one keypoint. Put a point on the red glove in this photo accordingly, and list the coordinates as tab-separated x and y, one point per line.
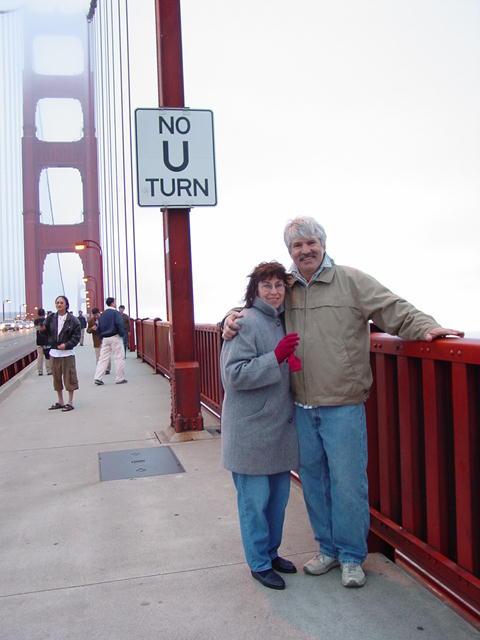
294	363
286	346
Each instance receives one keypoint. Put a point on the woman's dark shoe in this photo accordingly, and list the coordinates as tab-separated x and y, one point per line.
269	579
283	565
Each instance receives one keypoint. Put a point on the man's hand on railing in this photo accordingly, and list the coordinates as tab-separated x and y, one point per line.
440	332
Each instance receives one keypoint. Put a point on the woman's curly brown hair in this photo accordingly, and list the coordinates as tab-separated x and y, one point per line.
263	271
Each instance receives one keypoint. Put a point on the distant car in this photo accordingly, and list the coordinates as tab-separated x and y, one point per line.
9	326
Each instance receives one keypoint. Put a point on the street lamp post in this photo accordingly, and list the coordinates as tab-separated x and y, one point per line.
92	244
4	302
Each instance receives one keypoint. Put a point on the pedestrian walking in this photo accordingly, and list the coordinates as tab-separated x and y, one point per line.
83	325
41	342
92	329
126	323
111	329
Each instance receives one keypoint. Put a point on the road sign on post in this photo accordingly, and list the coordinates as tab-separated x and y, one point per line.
175	158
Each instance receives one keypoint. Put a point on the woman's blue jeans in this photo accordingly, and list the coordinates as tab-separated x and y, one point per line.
333	471
261	509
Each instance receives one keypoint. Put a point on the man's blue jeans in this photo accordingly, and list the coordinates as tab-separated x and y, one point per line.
333	471
261	509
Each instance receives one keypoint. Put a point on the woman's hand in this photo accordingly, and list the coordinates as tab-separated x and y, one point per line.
286	346
294	363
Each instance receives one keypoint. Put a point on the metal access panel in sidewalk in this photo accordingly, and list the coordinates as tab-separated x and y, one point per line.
138	463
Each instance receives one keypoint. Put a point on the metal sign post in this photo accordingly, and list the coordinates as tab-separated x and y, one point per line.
184	369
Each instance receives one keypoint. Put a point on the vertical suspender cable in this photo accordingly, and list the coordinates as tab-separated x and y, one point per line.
113	70
122	115
109	138
99	130
102	155
131	162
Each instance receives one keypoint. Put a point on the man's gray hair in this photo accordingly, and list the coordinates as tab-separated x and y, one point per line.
304	227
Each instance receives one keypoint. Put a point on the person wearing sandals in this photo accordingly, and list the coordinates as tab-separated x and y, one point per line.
259	441
63	334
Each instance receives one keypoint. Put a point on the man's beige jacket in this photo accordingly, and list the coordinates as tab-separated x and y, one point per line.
331	316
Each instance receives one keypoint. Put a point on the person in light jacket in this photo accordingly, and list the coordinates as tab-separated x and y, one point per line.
259	441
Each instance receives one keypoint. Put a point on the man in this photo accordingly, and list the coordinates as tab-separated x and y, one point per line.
110	327
329	306
63	334
92	327
126	323
83	325
41	342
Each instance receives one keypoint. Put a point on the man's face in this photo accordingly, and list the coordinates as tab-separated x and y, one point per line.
60	306
307	254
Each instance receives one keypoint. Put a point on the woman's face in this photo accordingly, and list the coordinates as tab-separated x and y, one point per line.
272	291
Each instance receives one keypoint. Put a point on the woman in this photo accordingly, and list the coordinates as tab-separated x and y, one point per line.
63	334
259	442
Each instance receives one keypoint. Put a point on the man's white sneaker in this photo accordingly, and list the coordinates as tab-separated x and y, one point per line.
320	563
353	575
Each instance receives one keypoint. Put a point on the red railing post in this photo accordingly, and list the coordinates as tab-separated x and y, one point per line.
467	472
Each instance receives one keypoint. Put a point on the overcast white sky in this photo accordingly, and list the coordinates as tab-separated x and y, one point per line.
363	114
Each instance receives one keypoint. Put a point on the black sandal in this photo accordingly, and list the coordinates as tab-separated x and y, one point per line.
67	407
57	405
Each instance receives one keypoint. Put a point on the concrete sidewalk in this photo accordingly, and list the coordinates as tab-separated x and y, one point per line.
160	557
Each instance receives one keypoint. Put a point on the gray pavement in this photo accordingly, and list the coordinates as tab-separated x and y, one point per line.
160	557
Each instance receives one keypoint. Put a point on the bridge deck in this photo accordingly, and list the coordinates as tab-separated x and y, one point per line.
160	556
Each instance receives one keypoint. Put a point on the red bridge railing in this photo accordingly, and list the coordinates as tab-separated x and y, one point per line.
153	346
424	459
208	343
423	419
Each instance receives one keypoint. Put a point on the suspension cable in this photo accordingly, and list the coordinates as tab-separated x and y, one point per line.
131	162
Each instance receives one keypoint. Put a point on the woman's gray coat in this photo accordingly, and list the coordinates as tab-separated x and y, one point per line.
258	430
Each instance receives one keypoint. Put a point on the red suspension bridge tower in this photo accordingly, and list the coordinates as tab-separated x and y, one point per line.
42	239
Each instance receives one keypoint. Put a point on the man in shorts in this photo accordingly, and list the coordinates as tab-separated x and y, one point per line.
63	334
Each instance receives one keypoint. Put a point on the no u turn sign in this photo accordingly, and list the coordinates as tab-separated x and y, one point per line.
175	158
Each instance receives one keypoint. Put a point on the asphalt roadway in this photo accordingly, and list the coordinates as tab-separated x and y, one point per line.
15	344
